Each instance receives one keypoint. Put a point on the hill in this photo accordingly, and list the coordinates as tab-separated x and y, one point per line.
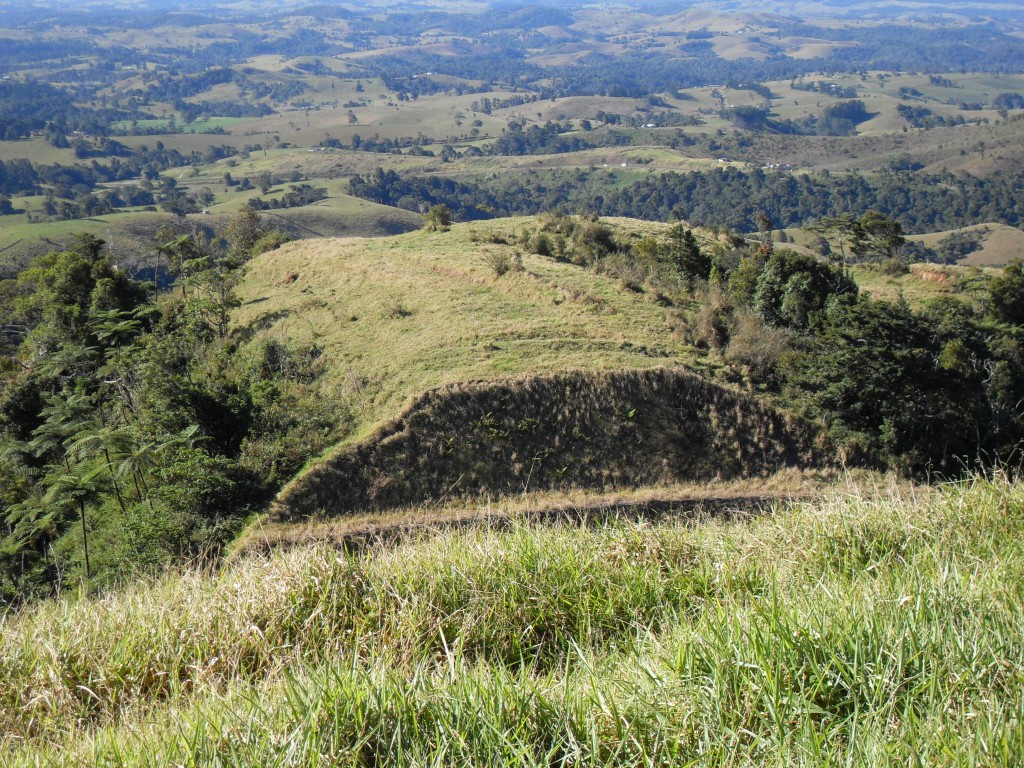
131	235
469	379
981	245
353	376
405	314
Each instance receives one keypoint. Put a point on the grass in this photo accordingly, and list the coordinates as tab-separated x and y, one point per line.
587	429
459	321
649	501
863	629
1000	244
922	284
198	126
37	150
129	235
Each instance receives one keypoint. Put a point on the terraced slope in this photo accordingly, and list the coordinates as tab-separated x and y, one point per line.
600	430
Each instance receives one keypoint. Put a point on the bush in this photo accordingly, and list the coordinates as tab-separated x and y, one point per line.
503	262
757	348
543	245
710	326
269	241
438	218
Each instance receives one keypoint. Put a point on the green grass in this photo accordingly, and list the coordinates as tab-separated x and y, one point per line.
199	126
864	629
398	316
129	235
37	150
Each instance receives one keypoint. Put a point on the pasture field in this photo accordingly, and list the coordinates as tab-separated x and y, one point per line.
372	305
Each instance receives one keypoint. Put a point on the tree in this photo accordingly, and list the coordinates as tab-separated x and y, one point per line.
66	485
243	232
1007	292
691	263
265	181
183	253
216	295
438	218
840	232
764	227
878	236
792	286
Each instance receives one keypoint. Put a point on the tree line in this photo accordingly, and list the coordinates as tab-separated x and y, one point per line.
723	197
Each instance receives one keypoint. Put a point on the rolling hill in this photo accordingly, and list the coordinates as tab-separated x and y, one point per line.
469	380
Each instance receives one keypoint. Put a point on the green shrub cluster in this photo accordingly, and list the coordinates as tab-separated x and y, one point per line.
930	391
135	432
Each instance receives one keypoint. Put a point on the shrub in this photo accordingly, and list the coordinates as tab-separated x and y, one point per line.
542	244
438	218
757	347
269	241
503	262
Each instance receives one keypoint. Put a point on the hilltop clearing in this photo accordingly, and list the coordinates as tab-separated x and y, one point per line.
398	316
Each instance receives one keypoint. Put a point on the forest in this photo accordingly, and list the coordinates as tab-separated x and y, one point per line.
133	432
729	197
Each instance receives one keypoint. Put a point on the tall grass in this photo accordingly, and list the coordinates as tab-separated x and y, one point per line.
854	631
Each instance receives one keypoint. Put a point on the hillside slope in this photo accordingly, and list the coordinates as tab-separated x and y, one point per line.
400	315
584	429
466	380
871	629
131	236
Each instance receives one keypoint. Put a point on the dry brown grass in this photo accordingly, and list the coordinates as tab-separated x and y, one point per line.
597	430
724	497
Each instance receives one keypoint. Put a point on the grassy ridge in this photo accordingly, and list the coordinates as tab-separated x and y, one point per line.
871	630
131	236
398	316
411	325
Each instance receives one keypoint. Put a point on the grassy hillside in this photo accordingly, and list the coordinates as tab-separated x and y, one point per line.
998	244
398	316
130	235
409	325
871	628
